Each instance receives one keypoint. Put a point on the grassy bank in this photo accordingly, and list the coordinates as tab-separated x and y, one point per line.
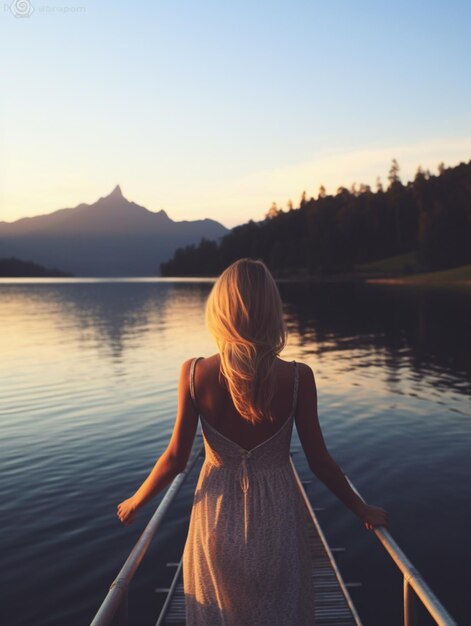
407	263
458	276
402	269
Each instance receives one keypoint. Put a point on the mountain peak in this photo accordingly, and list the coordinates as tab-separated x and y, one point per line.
111	237
116	193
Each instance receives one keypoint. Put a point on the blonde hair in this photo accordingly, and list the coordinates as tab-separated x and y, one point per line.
244	313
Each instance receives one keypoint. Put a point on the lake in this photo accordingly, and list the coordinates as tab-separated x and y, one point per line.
89	371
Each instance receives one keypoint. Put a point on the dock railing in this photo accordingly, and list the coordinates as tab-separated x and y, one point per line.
114	609
412	581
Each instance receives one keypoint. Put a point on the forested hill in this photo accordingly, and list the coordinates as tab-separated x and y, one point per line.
12	267
430	215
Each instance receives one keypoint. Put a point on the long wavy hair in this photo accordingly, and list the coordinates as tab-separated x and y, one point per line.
244	314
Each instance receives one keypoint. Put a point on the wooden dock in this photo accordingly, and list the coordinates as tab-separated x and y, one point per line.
333	605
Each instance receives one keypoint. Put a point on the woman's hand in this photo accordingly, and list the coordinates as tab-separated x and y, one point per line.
126	511
373	516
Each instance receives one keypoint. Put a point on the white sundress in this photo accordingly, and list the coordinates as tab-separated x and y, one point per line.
247	559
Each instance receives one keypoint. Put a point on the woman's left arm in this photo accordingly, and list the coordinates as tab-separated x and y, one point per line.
174	459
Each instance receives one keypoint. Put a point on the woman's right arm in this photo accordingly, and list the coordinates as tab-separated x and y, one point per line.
320	461
174	459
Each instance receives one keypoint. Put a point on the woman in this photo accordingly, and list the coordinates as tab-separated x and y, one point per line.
247	559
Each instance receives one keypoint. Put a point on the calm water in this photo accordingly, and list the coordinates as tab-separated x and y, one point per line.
88	377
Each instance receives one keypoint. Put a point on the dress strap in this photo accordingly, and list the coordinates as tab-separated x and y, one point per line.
295	389
192	382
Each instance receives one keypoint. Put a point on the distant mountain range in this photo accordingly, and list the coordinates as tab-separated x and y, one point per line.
112	237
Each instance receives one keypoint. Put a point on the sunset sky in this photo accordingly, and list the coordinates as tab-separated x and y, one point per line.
217	109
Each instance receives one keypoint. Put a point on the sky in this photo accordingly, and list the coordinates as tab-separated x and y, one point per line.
217	109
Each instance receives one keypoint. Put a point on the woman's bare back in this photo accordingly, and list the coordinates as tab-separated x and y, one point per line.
216	406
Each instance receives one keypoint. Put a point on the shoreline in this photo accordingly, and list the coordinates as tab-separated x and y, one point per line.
459	277
347	278
418	281
441	278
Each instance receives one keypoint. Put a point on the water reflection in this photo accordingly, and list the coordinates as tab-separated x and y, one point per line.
87	397
114	316
390	327
364	325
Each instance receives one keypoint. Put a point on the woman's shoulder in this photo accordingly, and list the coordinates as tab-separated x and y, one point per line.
202	367
288	364
305	372
215	359
210	364
206	362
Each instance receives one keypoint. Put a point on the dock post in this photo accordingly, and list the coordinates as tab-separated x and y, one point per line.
410	605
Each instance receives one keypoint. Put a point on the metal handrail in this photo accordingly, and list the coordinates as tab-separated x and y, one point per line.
326	546
113	609
412	579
